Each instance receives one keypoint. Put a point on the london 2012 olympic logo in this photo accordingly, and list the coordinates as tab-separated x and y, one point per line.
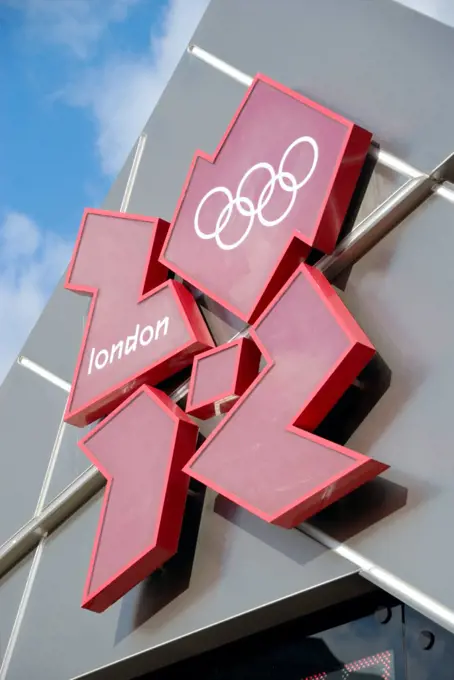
245	206
260	456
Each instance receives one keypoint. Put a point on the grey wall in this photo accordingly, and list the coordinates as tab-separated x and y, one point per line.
400	293
31	410
380	63
63	641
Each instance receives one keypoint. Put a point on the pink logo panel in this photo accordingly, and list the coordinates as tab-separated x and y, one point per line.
141	449
141	328
279	184
220	376
263	456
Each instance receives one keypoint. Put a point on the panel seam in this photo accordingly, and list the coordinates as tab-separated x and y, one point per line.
21	611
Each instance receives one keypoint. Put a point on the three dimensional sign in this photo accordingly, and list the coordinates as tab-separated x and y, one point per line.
278	186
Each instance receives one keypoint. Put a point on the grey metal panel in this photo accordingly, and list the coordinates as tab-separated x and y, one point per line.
401	293
441	11
30	414
192	114
379	63
70	462
55	339
114	197
240	564
11	589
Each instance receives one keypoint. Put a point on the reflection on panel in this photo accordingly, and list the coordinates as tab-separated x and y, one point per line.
70	461
11	589
441	11
383	183
30	414
351	60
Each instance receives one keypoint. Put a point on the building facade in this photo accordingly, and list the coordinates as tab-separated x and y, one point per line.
363	587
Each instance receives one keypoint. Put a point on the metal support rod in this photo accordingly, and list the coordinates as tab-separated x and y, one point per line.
140	148
415	598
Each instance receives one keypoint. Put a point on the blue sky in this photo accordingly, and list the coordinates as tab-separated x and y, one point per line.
79	79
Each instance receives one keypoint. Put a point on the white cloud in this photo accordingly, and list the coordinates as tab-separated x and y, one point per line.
121	96
31	262
75	25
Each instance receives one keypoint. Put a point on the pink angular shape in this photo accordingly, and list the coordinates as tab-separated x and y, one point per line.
141	328
220	376
140	449
263	455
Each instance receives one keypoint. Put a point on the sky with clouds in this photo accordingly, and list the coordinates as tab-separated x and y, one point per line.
79	79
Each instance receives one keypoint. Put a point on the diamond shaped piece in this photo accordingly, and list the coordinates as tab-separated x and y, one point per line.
220	376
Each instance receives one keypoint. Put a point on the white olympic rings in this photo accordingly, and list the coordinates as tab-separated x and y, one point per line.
245	206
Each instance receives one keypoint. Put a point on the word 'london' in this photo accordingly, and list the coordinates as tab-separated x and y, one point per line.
263	455
146	336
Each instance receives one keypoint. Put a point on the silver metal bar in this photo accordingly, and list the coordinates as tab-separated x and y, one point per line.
79	492
383	157
44	373
133	173
429	607
446	191
21	612
376	225
50	468
392	162
220	65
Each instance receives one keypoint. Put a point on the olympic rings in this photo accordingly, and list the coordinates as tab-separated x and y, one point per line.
287	182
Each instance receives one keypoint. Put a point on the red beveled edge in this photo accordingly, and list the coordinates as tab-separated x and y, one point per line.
88	290
358	458
211	158
304	100
339	310
164	402
190	406
188	315
174	288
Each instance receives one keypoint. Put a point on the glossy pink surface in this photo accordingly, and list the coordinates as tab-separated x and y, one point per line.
256	457
141	449
136	333
271	180
215	375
